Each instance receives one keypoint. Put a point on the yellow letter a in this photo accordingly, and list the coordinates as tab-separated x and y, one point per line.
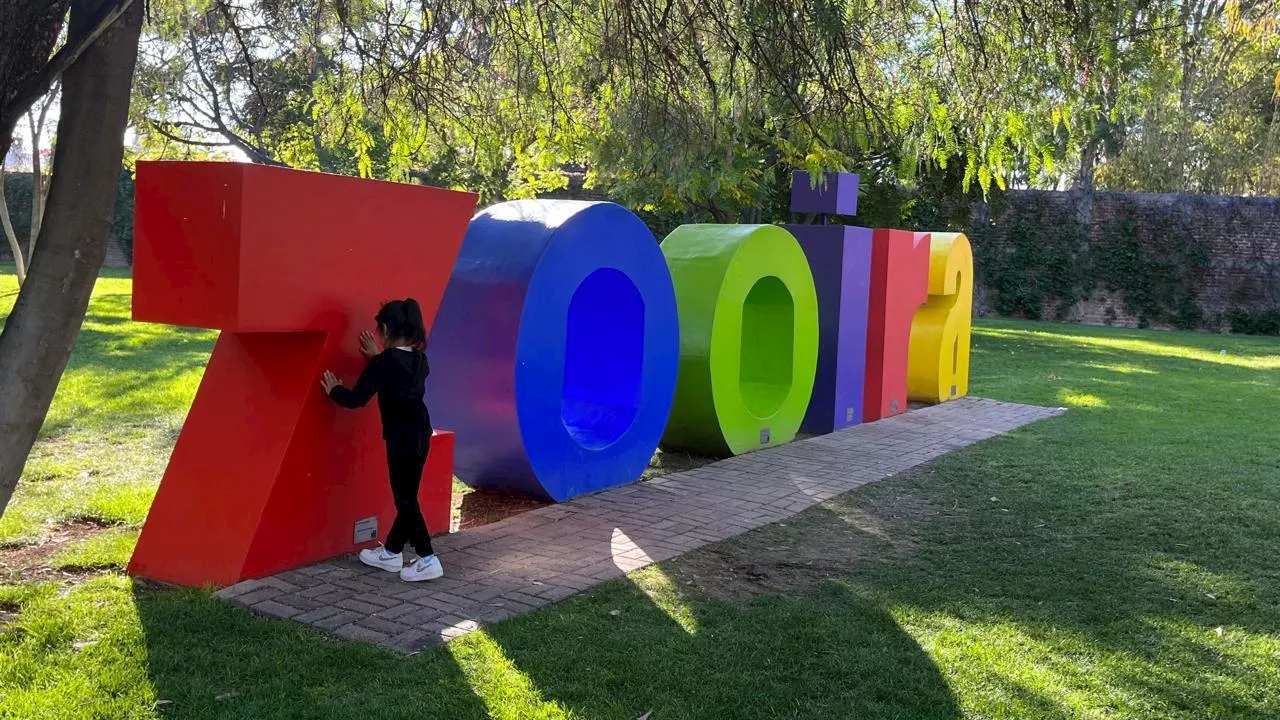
938	358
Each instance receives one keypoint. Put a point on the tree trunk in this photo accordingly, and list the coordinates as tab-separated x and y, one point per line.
40	333
14	246
38	181
1088	164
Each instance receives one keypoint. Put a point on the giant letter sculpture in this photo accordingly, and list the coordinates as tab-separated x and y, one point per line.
938	366
840	259
555	351
899	286
268	474
748	337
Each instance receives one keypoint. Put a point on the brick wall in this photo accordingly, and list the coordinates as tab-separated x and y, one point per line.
116	256
1207	254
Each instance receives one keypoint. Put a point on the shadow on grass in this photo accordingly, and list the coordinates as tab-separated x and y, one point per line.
1036	616
208	660
1131	533
125	372
1076	568
631	646
1097	369
1164	614
627	649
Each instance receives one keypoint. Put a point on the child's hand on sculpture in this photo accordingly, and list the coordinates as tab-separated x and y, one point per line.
369	345
329	382
397	376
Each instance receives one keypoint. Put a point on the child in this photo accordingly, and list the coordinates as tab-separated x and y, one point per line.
397	375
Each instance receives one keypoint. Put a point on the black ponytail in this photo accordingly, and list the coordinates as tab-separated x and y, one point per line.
403	319
413	320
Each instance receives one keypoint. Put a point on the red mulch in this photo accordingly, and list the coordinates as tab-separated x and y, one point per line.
481	507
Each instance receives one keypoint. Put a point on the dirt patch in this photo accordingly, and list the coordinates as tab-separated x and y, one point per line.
8	615
29	563
830	541
475	508
666	462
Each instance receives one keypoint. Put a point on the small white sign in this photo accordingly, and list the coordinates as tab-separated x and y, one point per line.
764	436
366	530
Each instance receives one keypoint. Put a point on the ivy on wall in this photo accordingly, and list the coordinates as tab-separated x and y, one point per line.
1254	322
1034	267
1154	262
17	196
1038	255
122	218
17	189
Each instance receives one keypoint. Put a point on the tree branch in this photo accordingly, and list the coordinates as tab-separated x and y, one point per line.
39	85
255	153
158	126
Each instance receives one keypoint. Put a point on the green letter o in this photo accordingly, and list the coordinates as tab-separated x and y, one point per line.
748	337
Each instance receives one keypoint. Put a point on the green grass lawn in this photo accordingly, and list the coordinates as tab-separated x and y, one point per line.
114	420
1122	561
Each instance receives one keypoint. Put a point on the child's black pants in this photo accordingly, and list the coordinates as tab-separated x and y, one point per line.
406	466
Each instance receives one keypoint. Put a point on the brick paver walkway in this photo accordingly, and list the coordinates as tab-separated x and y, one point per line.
545	555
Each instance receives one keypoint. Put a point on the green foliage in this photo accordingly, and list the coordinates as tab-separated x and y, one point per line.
17	195
697	112
17	188
1038	261
122	218
1254	322
1196	106
1036	256
1155	263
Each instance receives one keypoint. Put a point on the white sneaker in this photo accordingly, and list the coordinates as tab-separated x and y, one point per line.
427	568
382	559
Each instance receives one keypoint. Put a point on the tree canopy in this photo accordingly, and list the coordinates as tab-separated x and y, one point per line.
699	107
684	109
